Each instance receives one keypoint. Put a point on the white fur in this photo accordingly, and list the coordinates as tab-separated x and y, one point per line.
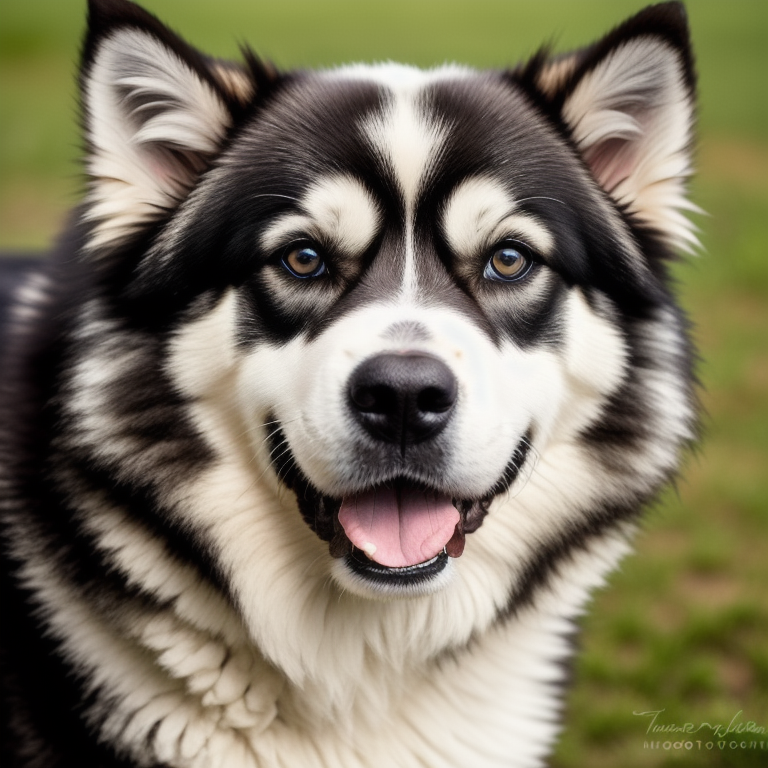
409	140
400	78
480	213
649	168
339	211
672	409
216	702
133	175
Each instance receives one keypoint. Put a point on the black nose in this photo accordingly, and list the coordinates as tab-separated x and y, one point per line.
403	398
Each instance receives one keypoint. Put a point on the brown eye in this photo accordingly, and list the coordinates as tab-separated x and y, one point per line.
509	262
303	261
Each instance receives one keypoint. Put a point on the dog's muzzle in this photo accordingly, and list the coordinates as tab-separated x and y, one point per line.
400	529
401	399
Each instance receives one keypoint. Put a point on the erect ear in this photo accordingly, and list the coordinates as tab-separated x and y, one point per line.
155	113
629	103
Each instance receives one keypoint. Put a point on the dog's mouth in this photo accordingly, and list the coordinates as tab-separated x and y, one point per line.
401	525
397	532
400	532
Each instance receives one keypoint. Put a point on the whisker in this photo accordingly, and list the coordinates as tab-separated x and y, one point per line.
541	197
274	194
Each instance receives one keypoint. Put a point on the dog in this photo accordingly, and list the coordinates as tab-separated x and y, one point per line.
338	396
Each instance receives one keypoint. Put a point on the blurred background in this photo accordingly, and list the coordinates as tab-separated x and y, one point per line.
683	627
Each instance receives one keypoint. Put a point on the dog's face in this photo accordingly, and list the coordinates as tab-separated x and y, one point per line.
415	288
394	295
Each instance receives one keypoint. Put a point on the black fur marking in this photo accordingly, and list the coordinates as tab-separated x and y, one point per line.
43	477
15	270
280	153
497	133
44	696
550	555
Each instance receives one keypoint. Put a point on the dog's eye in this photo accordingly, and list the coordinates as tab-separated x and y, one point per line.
509	261
303	260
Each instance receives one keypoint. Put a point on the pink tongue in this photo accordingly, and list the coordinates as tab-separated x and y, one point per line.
399	528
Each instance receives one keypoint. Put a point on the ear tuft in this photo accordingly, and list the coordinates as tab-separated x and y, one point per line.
234	81
156	112
629	103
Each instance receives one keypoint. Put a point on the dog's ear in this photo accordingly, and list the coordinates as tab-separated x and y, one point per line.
155	113
628	103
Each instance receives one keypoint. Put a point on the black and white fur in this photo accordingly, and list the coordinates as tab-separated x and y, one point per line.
178	430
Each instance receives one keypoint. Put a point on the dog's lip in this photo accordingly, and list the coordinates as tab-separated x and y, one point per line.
406	576
364	559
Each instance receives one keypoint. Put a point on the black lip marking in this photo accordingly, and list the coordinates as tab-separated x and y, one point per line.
320	512
473	511
409	576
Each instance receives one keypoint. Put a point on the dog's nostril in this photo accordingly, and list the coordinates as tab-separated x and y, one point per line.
436	399
373	399
403	398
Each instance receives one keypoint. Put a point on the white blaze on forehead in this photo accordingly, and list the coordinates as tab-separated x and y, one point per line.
408	139
337	210
397	76
404	132
481	212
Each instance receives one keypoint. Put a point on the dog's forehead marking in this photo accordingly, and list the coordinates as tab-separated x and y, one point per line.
481	211
337	209
405	135
408	140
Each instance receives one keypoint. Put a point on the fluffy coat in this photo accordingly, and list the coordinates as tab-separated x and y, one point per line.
194	430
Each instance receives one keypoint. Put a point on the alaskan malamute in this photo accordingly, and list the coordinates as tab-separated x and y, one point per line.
340	394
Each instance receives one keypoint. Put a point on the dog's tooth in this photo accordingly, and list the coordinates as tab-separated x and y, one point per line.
369	548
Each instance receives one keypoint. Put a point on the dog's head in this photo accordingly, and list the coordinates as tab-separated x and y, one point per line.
396	299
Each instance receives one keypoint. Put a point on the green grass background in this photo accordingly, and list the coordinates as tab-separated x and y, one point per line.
683	626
